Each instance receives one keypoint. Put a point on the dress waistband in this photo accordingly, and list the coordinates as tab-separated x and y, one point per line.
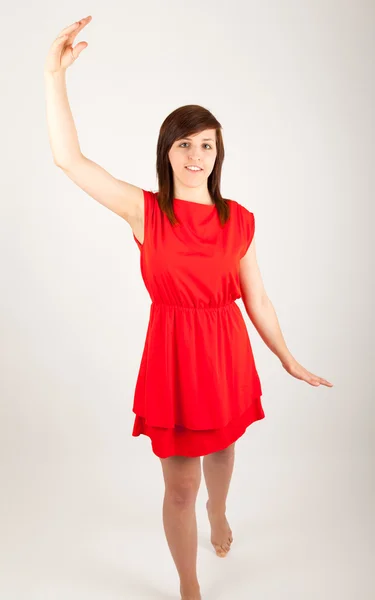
184	307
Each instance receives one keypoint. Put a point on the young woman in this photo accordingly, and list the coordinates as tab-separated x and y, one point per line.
198	388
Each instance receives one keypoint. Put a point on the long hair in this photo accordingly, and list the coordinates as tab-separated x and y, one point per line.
183	122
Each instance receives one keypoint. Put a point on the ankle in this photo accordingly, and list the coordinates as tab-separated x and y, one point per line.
218	510
190	589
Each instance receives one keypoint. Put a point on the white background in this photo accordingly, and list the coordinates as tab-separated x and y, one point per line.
292	83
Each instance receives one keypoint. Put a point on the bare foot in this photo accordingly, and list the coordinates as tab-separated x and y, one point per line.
221	533
193	593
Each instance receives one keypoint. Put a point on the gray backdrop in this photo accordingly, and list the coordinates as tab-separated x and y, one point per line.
292	83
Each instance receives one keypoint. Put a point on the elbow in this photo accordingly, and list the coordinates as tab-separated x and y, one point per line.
259	302
66	165
58	163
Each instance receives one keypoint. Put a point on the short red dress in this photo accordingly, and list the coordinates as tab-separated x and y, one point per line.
197	388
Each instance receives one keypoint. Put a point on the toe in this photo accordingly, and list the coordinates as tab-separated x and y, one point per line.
220	551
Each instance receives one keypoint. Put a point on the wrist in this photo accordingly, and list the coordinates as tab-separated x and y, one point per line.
287	360
55	74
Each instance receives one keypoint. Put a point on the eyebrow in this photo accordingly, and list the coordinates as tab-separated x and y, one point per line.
204	139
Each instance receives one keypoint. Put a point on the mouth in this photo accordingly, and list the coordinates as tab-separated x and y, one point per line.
198	170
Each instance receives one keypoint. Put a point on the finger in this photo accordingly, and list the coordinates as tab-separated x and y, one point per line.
313	379
325	382
76	51
82	23
75	28
321	380
68	29
66	38
59	41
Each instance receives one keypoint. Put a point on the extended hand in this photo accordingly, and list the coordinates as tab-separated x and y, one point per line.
298	371
62	54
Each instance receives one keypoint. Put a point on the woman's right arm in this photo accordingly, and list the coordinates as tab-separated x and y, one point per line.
123	198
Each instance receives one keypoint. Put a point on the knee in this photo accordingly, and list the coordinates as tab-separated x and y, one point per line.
183	493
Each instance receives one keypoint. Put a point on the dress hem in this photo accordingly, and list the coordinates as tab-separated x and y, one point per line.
190	443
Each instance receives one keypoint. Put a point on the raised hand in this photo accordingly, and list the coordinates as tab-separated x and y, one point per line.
62	54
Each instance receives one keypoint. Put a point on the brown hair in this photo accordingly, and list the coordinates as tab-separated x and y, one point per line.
183	122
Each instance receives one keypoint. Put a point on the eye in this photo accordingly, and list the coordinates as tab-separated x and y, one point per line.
187	143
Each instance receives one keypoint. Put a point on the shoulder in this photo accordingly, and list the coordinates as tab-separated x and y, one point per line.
238	206
246	224
244	215
246	212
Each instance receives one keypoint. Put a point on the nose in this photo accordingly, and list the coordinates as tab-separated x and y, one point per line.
194	156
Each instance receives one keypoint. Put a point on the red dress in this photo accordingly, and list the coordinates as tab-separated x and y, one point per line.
197	388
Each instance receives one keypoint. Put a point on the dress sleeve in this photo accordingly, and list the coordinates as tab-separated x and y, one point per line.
248	228
148	203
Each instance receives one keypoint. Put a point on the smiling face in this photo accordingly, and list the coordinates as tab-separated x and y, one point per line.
198	149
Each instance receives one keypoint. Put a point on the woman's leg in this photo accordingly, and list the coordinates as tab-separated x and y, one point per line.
182	477
218	469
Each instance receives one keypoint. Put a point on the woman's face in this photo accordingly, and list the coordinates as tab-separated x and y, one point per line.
198	149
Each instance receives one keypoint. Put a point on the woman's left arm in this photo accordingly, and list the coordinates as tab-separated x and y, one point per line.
263	316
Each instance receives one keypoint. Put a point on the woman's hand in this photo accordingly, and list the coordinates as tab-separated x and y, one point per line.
298	371
62	54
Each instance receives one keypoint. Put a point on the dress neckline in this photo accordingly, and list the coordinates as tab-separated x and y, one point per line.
192	202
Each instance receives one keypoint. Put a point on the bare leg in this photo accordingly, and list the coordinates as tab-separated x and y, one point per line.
218	469
182	477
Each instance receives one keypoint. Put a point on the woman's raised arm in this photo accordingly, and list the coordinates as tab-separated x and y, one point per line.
123	198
